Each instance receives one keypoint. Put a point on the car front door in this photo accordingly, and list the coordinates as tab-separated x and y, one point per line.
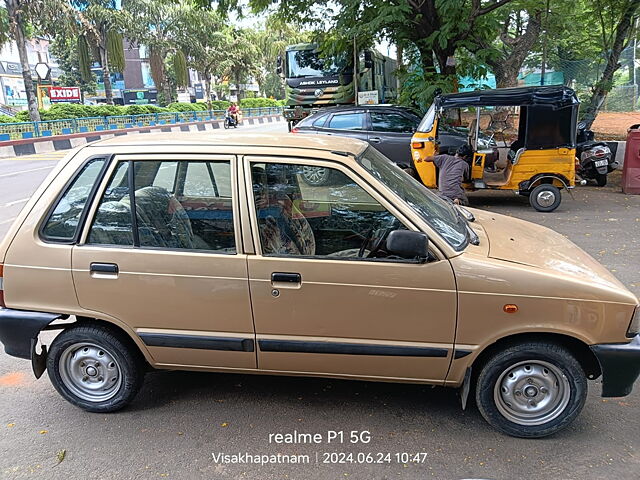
320	306
161	254
391	133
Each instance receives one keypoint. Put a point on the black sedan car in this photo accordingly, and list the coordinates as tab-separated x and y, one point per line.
388	128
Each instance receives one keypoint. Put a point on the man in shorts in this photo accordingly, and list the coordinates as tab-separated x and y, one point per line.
452	171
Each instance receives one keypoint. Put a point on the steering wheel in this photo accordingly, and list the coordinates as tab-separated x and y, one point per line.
365	242
382	238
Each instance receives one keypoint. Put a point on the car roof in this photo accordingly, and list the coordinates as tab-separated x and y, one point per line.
340	108
204	139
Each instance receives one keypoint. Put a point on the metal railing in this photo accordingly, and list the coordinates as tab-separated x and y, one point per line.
47	128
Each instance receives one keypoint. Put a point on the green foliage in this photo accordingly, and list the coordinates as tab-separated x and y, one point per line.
115	51
142	109
84	60
219	105
180	69
258	102
186	107
7	119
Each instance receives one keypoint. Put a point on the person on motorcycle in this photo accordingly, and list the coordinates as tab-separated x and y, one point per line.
233	112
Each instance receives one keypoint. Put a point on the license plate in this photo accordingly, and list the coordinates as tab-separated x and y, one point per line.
601	163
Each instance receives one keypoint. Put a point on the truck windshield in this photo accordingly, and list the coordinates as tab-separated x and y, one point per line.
309	63
439	214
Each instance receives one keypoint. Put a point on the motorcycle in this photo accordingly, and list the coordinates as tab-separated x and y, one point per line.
230	120
594	159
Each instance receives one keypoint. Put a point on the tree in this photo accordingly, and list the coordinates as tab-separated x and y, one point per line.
242	58
67	51
206	43
519	31
155	25
616	19
102	22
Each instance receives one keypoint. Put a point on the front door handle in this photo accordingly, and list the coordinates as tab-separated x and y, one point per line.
281	277
97	269
375	139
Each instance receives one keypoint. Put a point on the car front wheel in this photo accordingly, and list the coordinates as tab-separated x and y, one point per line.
531	390
95	368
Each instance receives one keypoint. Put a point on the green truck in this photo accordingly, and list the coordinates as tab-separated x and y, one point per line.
314	81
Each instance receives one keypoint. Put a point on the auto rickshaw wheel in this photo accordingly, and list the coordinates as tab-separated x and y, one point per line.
545	197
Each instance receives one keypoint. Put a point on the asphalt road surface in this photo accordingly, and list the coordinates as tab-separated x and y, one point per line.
180	420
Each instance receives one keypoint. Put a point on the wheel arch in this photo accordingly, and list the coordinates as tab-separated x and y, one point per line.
126	333
577	347
555	179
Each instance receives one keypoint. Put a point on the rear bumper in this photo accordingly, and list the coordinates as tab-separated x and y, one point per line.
19	327
620	364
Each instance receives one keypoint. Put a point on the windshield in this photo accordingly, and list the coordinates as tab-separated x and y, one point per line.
309	63
439	214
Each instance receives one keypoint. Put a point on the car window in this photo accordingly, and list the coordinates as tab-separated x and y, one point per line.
347	121
63	221
198	216
337	220
319	122
392	122
166	176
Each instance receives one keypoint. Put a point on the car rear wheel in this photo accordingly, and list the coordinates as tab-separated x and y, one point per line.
316	176
531	390
545	197
95	368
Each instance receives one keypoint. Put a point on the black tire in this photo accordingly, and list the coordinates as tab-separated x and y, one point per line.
108	347
226	123
563	371
316	176
545	197
601	179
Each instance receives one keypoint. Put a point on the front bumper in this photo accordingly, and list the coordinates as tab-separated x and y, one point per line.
620	364
18	328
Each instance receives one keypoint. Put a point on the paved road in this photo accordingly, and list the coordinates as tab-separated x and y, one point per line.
179	419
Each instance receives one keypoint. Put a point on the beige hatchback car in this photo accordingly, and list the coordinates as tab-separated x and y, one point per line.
210	253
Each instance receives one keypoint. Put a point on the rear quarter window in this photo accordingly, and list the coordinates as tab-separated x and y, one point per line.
63	220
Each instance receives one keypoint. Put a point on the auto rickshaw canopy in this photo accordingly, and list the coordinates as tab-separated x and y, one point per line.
554	96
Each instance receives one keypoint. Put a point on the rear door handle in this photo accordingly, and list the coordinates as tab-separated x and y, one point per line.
103	269
375	139
281	277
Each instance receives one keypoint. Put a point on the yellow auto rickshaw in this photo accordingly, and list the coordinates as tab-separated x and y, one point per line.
523	139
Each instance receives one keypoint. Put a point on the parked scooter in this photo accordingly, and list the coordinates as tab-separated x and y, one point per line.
594	159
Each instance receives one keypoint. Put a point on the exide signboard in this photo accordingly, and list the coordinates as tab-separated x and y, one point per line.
64	94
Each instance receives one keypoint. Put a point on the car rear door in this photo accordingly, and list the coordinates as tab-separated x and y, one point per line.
390	133
161	254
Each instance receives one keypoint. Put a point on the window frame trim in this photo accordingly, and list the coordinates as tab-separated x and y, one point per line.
87	206
247	160
168	157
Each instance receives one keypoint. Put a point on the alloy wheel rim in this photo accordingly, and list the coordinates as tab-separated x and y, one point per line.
90	372
532	392
546	198
314	174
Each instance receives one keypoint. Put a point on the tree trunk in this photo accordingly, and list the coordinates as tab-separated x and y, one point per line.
104	61
166	88
603	86
207	89
17	27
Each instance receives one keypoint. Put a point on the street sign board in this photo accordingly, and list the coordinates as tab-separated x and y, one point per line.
42	70
143	96
64	94
368	98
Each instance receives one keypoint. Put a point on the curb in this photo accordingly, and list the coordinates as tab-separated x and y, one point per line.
30	146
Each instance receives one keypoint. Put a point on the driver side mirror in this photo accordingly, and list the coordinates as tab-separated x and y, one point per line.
408	244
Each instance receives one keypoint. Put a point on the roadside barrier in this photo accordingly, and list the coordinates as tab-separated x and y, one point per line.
48	128
30	146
